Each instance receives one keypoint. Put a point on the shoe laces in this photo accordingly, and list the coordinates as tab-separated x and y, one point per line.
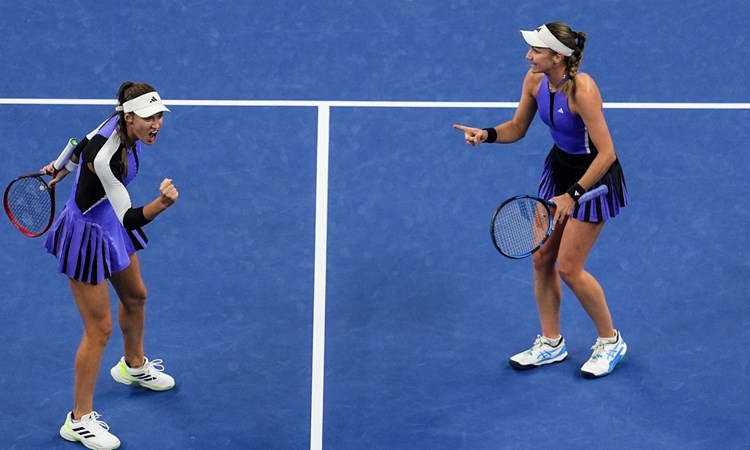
599	348
154	366
538	343
93	417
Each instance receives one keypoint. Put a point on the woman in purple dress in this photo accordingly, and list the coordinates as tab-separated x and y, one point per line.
95	239
583	157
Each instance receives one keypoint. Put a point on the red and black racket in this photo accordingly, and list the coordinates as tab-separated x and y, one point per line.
29	203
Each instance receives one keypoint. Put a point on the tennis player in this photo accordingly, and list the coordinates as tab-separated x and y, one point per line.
95	239
582	158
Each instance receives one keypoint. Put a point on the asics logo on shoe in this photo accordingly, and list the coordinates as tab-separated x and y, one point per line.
547	354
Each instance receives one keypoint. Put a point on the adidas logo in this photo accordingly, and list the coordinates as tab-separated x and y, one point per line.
560	111
83	432
144	377
153	99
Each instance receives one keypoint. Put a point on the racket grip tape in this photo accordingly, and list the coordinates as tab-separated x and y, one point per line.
593	193
65	154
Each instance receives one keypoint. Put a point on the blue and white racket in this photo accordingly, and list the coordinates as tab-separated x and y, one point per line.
522	224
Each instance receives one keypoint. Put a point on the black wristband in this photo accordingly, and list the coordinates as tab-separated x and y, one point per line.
491	135
576	191
134	218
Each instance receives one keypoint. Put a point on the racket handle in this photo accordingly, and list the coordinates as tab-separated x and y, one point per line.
65	154
592	194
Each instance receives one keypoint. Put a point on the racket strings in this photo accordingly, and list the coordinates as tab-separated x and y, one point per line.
28	203
520	226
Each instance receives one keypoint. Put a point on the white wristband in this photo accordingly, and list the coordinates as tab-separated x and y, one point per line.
71	166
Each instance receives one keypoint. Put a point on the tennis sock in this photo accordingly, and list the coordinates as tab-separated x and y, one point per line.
139	367
610	340
553	342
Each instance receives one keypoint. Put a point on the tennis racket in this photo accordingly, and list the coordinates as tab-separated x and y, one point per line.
29	203
522	224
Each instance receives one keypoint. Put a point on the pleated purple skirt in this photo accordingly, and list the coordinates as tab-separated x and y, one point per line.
92	250
562	170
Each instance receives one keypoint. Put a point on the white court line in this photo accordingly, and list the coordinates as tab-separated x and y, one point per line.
319	291
321	195
362	104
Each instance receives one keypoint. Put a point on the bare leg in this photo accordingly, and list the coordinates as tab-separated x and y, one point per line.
577	242
131	310
547	287
93	305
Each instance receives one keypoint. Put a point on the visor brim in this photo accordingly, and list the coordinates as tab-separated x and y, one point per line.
150	110
532	38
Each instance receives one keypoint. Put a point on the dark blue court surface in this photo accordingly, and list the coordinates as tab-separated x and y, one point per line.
421	313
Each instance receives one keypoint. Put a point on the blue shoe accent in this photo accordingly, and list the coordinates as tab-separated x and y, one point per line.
605	357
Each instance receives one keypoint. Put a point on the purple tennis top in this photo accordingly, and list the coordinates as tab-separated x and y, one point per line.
568	131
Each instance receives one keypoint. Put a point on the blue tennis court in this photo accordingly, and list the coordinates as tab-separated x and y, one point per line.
327	280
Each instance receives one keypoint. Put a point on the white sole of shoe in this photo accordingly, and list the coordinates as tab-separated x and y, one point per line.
117	376
65	434
518	366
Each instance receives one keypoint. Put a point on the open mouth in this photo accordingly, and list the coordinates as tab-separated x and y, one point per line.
150	137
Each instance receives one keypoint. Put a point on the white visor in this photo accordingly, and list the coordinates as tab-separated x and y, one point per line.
543	38
145	106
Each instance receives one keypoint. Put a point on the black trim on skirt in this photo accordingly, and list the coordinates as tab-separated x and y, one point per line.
564	170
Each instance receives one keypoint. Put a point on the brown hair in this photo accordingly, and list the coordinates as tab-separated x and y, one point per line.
128	91
572	39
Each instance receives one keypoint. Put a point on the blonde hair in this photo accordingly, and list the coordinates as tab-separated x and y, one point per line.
572	39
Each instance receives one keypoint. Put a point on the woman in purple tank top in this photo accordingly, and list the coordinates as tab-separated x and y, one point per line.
582	157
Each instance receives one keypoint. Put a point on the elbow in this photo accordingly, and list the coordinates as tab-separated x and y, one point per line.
611	157
515	133
520	129
606	156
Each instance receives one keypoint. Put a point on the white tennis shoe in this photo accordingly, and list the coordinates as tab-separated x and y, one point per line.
541	352
605	357
151	375
90	432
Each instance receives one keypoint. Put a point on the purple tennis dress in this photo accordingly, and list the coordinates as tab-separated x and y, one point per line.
572	153
98	230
